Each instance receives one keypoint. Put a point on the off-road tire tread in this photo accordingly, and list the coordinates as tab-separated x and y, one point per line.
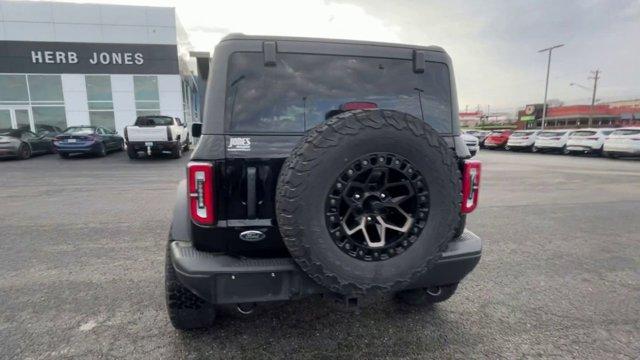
308	152
186	309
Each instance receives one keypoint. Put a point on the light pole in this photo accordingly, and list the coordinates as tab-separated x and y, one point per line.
546	85
595	77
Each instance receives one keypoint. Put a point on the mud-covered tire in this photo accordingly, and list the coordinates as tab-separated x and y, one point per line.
315	165
426	296
186	310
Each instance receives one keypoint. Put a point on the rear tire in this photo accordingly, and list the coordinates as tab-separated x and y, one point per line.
132	153
187	144
186	310
426	296
177	152
24	152
102	150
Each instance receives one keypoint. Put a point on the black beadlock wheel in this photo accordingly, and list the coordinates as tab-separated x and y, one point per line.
368	200
377	207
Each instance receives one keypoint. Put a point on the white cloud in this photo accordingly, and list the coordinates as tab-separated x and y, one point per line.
492	43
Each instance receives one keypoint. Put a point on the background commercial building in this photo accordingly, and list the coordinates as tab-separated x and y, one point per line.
615	114
67	64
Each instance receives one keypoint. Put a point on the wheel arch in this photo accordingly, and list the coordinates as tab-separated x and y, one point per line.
180	222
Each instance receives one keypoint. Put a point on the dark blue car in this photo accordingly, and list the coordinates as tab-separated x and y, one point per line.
87	140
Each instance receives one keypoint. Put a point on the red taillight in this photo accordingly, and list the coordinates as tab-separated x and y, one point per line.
358	105
200	192
470	185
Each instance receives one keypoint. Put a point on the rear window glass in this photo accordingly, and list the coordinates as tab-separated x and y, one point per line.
626	132
302	91
522	133
498	132
582	133
546	134
80	130
154	121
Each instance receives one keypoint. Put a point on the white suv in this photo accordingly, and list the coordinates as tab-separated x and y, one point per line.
552	140
587	140
522	140
623	142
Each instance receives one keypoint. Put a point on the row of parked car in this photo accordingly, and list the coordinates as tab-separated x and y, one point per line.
618	142
150	134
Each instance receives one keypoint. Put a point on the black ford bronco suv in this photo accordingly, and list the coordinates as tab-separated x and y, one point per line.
323	167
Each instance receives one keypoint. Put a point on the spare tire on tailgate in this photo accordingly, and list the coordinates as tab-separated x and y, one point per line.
367	201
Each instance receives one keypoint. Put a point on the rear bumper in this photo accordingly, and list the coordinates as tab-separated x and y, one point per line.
8	152
223	279
622	150
77	149
157	145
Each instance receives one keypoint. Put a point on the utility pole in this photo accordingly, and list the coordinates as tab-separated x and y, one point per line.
546	85
595	77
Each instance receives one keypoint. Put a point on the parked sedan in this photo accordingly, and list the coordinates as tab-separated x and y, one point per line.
87	140
587	141
22	144
480	134
623	142
472	143
497	139
552	140
522	140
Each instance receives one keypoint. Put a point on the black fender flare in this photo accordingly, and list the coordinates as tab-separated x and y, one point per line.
180	223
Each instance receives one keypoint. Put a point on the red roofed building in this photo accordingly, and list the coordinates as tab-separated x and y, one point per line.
577	116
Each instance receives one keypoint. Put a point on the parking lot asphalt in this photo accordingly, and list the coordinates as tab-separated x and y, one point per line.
81	271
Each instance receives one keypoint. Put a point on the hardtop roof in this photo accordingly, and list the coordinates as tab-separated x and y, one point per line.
240	36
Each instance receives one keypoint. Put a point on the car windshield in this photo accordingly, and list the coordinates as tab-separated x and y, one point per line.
626	132
548	134
79	131
302	91
522	133
154	121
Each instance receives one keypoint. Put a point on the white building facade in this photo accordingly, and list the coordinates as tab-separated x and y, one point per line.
69	64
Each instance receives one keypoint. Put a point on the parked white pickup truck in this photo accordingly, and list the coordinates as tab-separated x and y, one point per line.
157	134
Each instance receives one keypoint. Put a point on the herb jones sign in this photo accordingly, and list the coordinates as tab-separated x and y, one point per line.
71	57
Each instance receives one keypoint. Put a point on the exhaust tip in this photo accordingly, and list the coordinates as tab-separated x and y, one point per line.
246	308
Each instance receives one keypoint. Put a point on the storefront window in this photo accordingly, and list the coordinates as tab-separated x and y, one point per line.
45	88
5	119
49	116
13	88
100	101
103	119
147	95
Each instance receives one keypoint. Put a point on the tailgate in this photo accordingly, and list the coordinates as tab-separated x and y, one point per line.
147	133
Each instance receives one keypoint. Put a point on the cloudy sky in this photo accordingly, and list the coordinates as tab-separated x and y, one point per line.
493	43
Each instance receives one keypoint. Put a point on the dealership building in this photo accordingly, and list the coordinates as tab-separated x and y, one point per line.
70	64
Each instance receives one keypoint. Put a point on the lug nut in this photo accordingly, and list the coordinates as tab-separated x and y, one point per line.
350	172
382	196
365	162
369	219
339	185
356	196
